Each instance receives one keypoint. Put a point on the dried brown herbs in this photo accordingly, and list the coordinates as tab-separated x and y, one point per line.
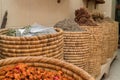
98	16
83	18
68	25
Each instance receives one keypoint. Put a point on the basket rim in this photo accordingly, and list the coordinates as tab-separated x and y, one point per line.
98	25
83	74
77	32
59	31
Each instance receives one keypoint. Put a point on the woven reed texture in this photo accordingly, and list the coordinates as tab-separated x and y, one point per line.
95	49
116	35
12	38
39	41
113	38
49	64
106	34
76	48
105	48
50	45
105	45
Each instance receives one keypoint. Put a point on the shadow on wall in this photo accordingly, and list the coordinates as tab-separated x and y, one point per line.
46	12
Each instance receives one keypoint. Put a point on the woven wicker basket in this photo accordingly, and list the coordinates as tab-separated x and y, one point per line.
96	39
50	64
50	45
76	48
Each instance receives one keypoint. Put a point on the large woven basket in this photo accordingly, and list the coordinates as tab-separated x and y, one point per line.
96	38
49	64
76	48
50	45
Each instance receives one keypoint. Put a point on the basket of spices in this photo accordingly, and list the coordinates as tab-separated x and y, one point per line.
76	43
37	68
47	42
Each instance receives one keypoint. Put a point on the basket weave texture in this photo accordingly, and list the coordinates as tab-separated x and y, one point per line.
113	38
49	64
76	48
105	45
96	38
49	45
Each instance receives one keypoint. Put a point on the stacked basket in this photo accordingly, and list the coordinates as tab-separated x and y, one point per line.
50	64
76	48
95	49
49	45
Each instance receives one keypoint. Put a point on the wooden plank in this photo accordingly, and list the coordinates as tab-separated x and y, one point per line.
106	68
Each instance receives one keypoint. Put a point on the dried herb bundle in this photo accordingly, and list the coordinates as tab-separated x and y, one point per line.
83	18
98	16
11	32
68	25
